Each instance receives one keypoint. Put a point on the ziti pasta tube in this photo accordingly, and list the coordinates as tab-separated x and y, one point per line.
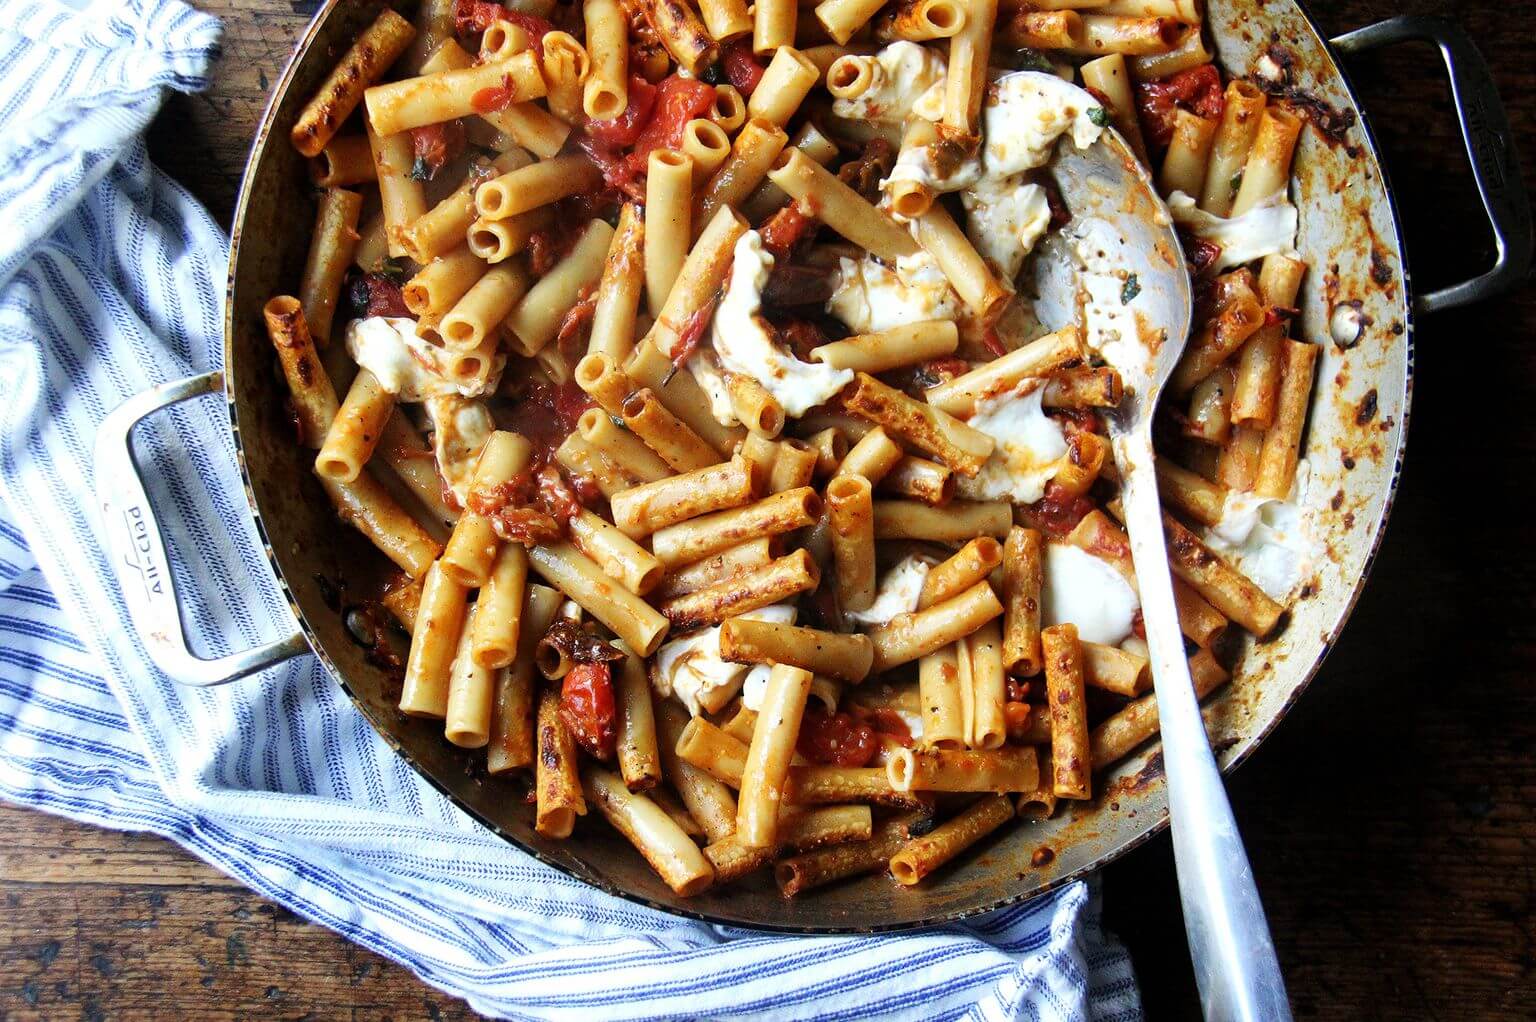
767	766
922	855
364	63
844	657
1011	768
1071	762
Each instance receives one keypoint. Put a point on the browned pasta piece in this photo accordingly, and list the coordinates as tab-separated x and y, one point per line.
666	434
938	680
776	582
810	784
955	522
920	20
919	424
356	429
331	246
1071	764
684	36
816	869
768	757
1224	587
850	514
512	713
309	388
844	657
1190	493
345	161
556	784
922	855
1011	768
367	59
1084	388
671	853
1114	669
1117	735
445	95
439	620
921	479
969	565
726	564
644	509
708	799
1276	469
873	456
697	538
619	445
910	636
369	508
636	743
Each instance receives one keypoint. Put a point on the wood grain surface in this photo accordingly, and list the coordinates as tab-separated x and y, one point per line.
1390	820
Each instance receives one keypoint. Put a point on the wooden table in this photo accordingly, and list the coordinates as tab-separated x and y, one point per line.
1390	820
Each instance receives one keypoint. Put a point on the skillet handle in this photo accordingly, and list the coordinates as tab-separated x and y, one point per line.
1490	149
138	550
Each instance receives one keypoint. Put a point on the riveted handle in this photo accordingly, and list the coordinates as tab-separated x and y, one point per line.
138	550
1490	148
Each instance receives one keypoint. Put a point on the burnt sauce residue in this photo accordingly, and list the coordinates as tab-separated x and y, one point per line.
1276	76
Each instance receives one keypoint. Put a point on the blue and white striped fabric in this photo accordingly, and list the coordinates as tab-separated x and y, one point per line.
110	281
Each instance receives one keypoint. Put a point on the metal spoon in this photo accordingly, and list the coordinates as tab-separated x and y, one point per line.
1117	211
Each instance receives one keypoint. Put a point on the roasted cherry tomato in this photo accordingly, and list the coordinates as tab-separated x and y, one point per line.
587	709
678	101
741	66
624	129
836	740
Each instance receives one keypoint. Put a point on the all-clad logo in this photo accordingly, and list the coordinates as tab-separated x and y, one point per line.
141	557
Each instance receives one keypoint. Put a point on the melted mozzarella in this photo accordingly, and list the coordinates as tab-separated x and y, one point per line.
1081	589
903	75
1030	447
1023	117
460	428
1266	539
755	686
872	296
692	669
1005	221
406	365
743	345
897	592
1266	229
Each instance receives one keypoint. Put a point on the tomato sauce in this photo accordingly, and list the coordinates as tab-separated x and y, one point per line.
433	145
1057	513
741	66
836	739
678	100
1197	90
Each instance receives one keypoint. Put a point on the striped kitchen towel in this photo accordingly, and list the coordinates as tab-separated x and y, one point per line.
110	282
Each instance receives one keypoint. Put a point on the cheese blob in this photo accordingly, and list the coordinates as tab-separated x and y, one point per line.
1267	229
897	592
407	365
872	296
1266	539
460	428
903	76
691	668
1029	450
1083	590
740	342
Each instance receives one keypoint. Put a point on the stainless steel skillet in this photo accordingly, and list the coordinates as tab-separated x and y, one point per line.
1358	302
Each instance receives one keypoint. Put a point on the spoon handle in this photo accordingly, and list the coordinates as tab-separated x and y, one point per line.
1229	941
